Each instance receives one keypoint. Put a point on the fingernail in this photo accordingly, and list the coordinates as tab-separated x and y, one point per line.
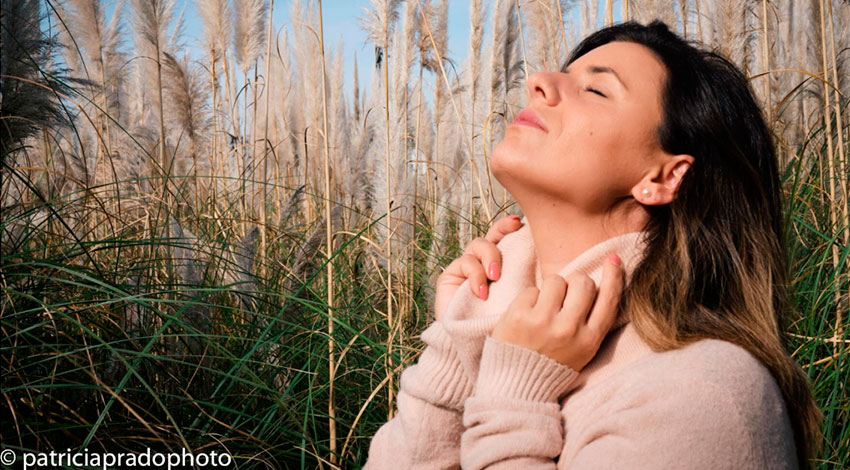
482	291
494	271
614	258
514	216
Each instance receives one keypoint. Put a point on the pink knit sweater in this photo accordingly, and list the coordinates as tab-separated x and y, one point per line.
474	402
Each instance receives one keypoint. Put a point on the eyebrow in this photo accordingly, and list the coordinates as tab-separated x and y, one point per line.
601	69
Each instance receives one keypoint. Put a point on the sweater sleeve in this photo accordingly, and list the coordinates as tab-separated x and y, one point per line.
425	432
513	418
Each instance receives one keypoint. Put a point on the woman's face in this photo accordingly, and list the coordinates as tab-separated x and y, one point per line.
594	148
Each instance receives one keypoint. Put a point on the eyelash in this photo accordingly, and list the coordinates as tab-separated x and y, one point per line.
596	91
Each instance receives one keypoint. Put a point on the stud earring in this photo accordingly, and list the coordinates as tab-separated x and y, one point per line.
645	192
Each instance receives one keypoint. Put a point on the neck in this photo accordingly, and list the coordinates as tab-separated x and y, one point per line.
561	233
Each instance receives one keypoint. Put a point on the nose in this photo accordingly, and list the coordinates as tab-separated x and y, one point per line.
543	86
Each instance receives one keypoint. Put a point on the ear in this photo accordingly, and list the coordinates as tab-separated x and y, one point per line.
660	186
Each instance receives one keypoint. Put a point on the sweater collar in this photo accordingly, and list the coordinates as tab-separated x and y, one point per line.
630	247
520	270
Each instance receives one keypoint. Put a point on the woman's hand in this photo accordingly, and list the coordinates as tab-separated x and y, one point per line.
480	253
537	320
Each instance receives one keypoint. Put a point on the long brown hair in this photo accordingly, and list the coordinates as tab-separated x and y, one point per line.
716	264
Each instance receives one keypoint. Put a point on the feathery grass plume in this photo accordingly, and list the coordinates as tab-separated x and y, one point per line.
175	38
239	270
588	16
304	262
729	28
151	20
249	32
382	163
215	16
249	40
437	21
101	44
503	62
185	248
188	118
305	119
279	89
291	206
477	17
378	21
423	43
404	42
30	81
544	31
357	175
356	89
338	117
70	50
426	62
97	44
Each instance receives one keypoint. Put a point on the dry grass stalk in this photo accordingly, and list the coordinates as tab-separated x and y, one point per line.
830	160
329	252
844	169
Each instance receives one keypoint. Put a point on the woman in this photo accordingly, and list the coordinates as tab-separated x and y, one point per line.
652	149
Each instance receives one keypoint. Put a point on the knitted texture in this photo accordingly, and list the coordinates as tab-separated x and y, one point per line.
475	402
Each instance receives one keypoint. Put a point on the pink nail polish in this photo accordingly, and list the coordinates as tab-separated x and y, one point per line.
494	271
482	291
614	258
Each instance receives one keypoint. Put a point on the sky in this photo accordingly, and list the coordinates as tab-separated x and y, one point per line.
340	20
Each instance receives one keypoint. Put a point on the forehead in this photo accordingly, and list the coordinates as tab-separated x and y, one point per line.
636	65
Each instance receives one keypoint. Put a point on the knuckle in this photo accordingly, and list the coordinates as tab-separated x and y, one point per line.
593	336
472	246
554	281
527	296
590	341
535	322
566	332
468	258
556	278
491	254
582	282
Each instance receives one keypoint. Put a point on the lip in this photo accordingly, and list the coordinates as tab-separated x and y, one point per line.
527	117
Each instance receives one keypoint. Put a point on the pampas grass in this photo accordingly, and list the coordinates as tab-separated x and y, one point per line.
231	253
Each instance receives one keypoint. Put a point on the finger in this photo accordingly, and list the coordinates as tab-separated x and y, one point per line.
581	291
551	297
502	227
604	312
489	257
472	270
525	299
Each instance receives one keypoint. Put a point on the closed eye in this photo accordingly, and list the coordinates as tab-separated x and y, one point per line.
596	91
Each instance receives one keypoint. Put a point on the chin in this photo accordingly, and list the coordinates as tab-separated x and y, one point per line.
507	171
504	159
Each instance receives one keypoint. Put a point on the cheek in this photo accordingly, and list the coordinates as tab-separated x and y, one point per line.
586	165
